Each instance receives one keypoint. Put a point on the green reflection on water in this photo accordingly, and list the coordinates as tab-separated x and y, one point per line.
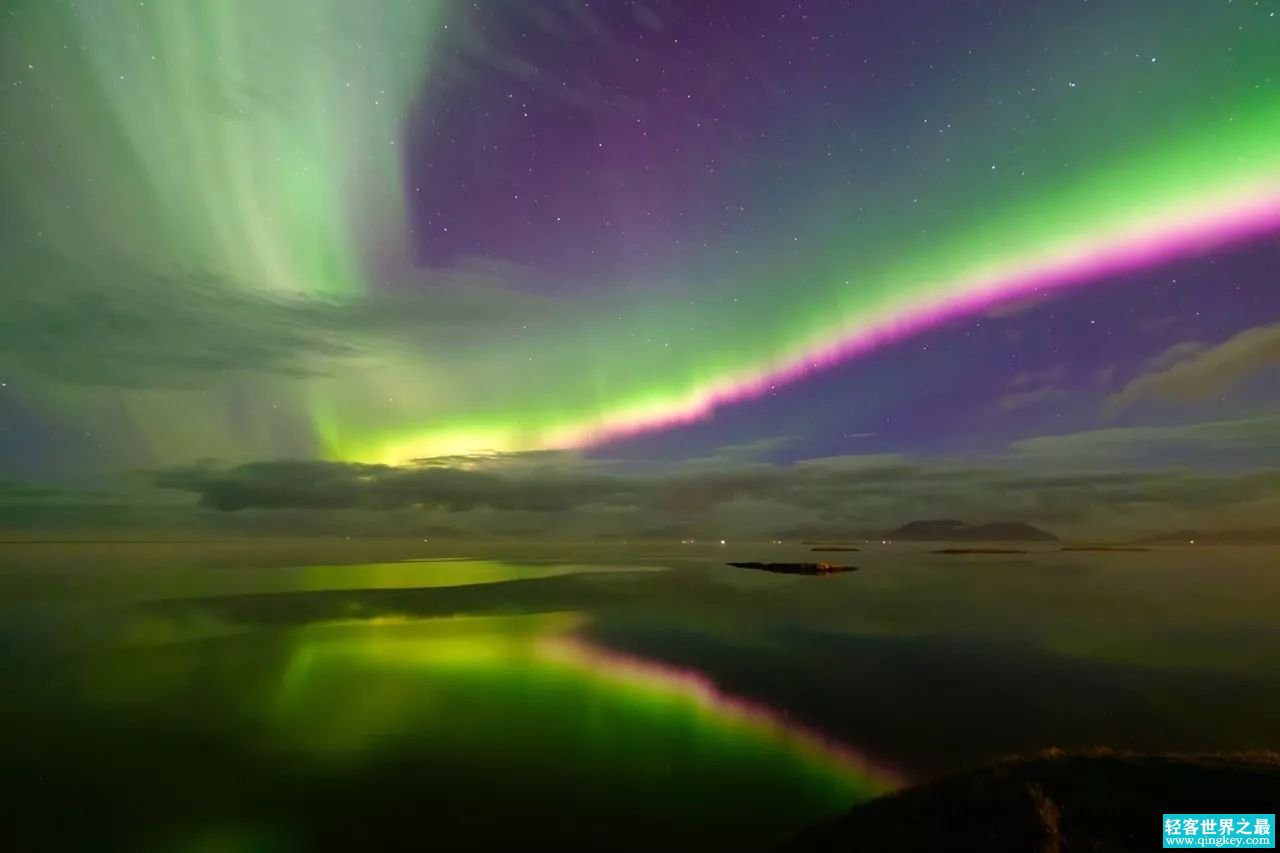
470	719
350	689
70	581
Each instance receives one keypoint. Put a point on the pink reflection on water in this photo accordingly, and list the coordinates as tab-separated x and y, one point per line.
816	746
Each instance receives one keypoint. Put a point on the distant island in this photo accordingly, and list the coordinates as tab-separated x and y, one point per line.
795	568
951	530
979	551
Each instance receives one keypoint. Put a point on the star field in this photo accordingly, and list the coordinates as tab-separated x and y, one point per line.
638	229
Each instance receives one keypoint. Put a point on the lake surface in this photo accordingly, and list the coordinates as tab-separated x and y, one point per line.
257	698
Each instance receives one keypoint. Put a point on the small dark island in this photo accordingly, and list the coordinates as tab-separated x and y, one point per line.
796	568
979	551
836	548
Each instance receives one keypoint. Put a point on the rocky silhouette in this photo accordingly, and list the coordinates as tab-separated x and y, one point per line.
1052	802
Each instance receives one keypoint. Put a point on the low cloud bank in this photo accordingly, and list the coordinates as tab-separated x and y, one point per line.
1101	483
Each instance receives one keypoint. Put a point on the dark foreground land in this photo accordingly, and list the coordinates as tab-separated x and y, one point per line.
1054	803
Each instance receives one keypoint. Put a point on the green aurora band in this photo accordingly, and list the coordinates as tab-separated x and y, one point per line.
261	144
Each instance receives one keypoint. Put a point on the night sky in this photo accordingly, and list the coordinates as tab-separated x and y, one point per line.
644	268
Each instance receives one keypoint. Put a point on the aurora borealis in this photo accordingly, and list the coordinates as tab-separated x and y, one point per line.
427	228
390	389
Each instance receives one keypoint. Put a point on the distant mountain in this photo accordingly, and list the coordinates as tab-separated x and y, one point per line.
951	530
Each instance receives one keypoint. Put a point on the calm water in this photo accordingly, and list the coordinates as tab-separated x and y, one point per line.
204	699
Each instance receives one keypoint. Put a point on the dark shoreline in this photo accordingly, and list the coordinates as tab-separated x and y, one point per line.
1052	802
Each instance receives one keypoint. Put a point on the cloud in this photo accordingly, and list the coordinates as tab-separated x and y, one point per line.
127	324
1019	305
1173	355
1189	372
1230	444
25	507
1035	397
1104	375
1034	388
1100	482
1048	376
1155	325
349	485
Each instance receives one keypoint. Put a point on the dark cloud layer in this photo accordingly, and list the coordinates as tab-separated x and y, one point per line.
334	485
1105	482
